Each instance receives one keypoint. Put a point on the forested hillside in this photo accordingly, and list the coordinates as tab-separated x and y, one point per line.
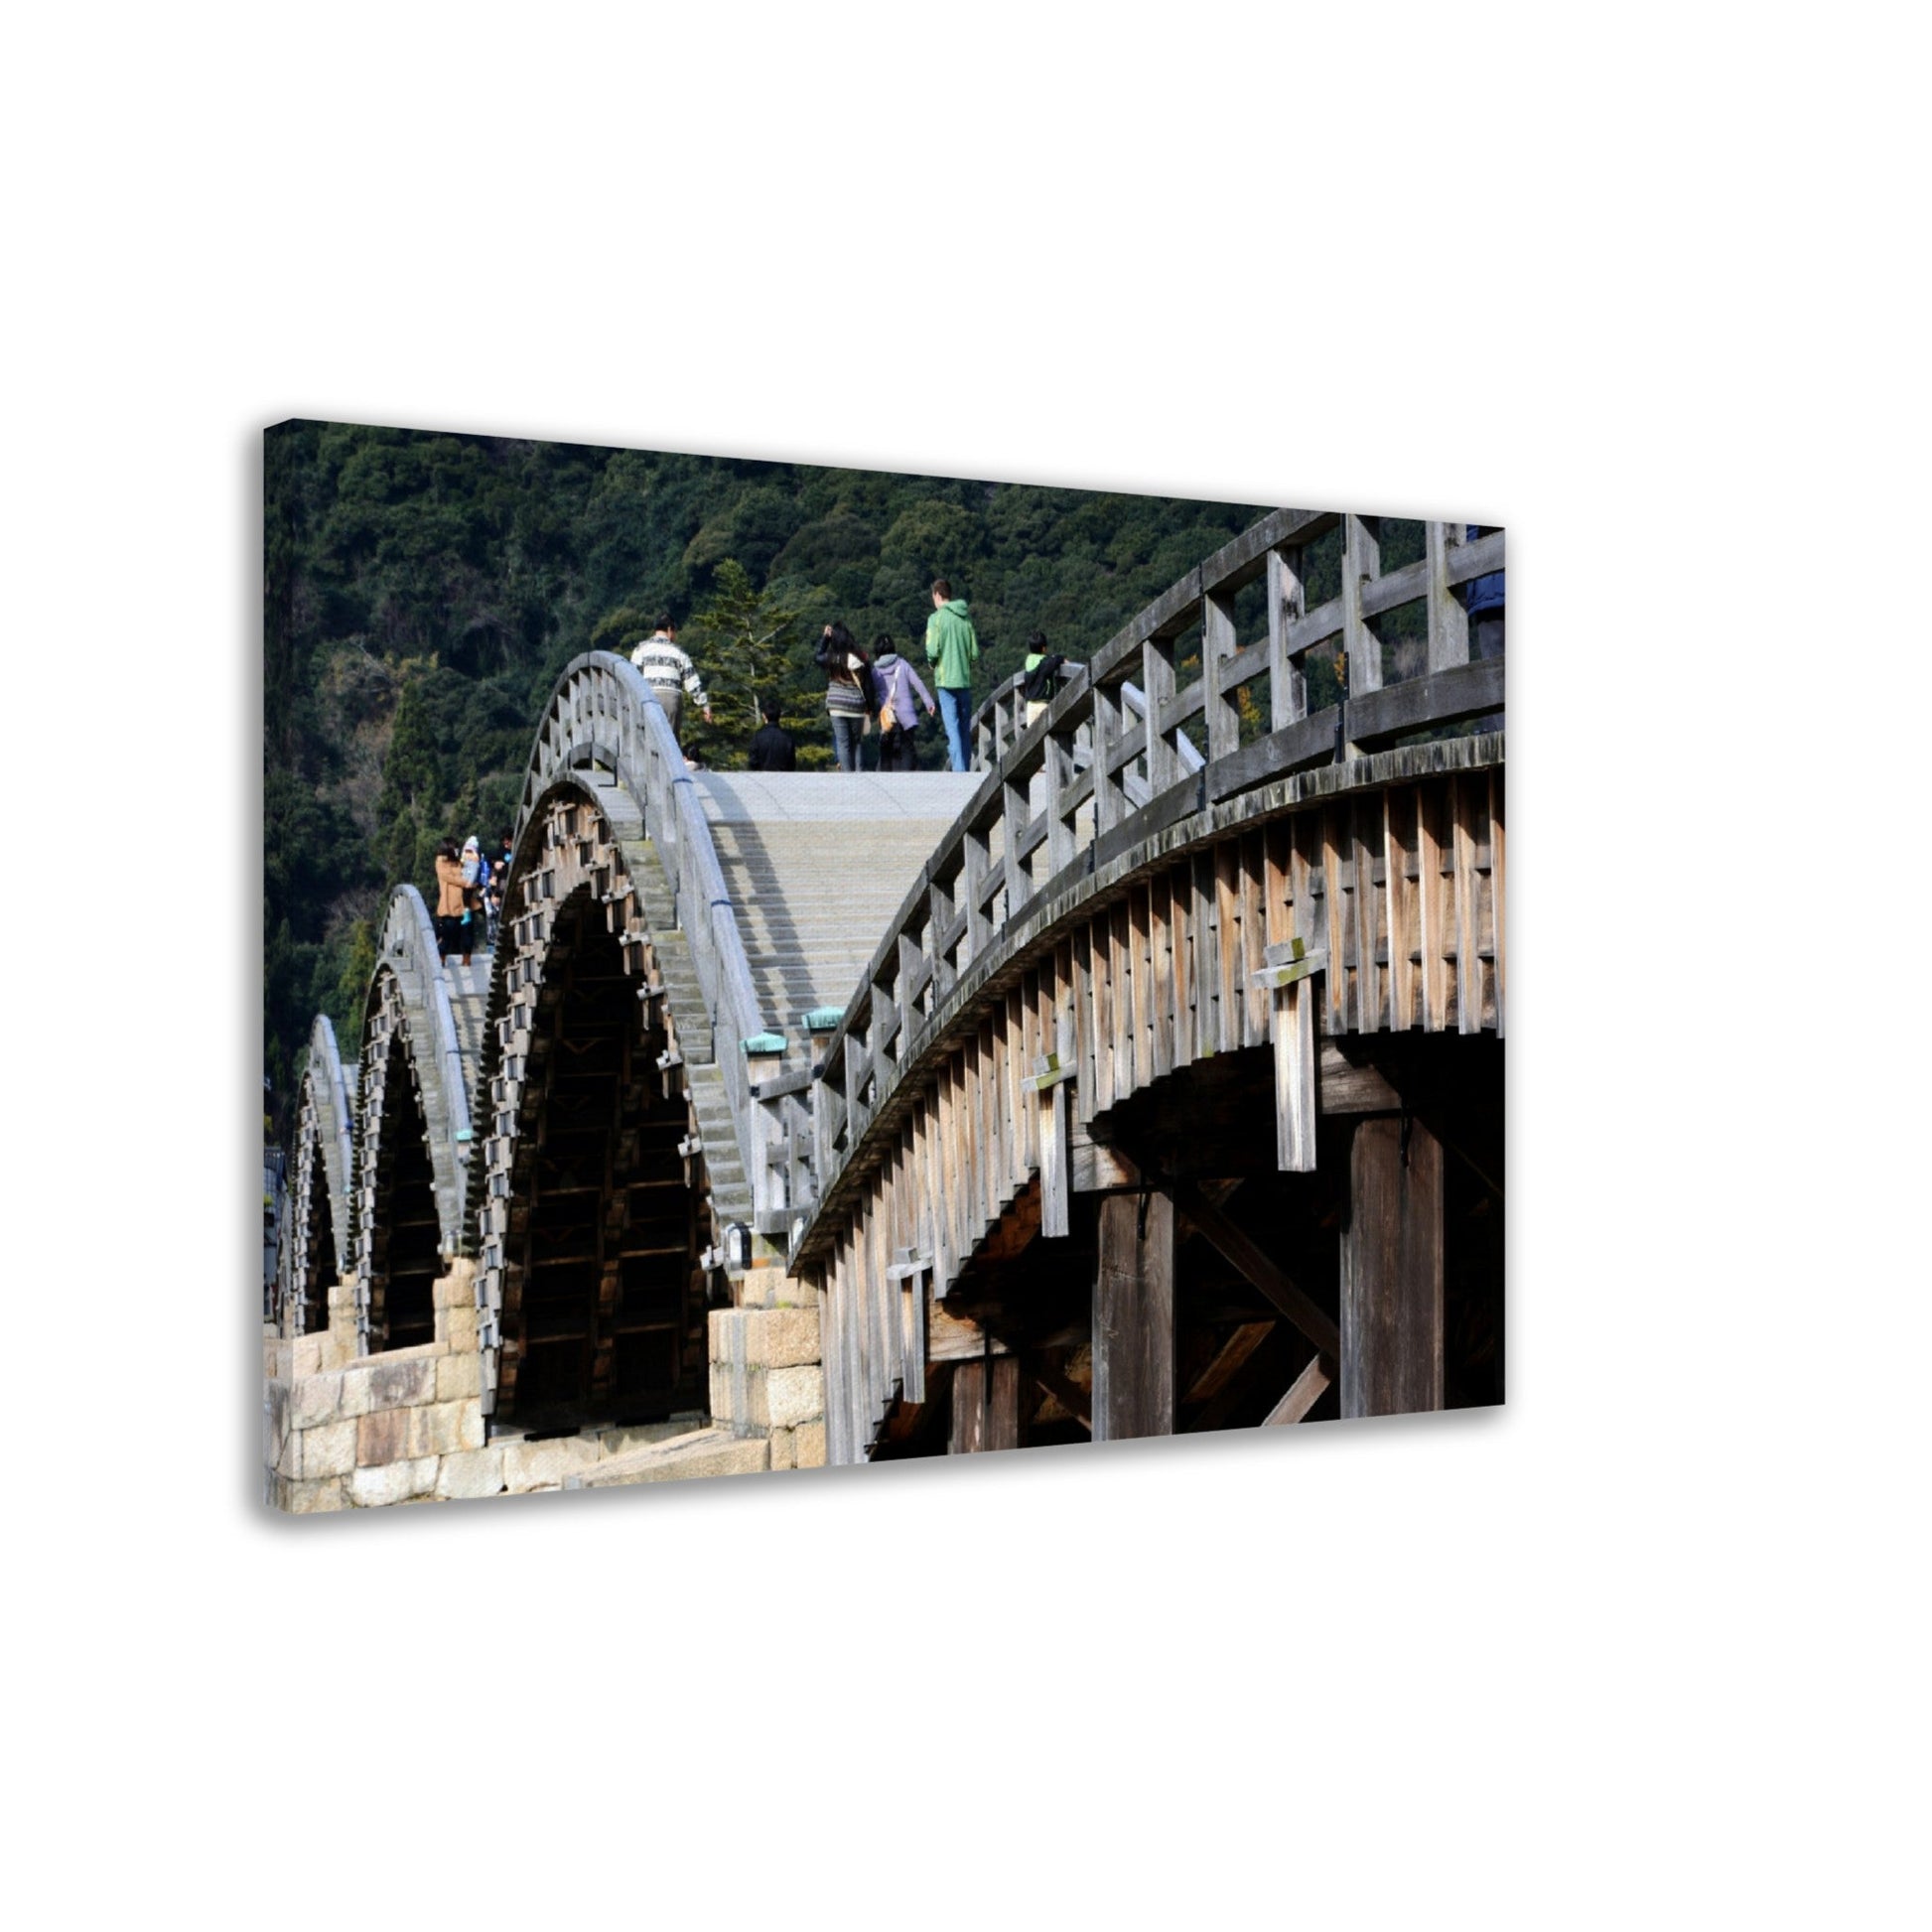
422	591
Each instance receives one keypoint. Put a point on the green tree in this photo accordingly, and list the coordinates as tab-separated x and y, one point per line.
744	641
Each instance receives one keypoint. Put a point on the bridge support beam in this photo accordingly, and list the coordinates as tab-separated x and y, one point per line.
1392	1269
985	1405
1134	1317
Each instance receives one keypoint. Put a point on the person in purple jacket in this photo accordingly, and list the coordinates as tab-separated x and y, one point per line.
896	682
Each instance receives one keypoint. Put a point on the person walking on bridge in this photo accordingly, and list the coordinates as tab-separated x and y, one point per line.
896	681
772	747
849	693
670	674
452	905
952	646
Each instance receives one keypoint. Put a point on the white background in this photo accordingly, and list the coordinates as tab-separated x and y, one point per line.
1646	1647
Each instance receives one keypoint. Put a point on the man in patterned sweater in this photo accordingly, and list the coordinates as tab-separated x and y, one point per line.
670	674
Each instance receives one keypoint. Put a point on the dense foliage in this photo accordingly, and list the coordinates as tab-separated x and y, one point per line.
423	593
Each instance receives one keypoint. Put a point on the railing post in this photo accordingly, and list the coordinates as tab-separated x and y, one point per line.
1157	688
1287	601
1361	559
1060	842
1109	798
1216	648
1449	622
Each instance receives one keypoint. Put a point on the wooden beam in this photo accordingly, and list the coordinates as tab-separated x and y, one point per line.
1064	1390
1133	1318
984	1406
1268	1276
1228	1359
1303	1393
1392	1269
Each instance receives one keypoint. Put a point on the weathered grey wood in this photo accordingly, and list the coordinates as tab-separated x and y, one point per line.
1391	1352
1216	648
1134	1318
1361	552
1295	1104
984	1406
1288	689
1449	622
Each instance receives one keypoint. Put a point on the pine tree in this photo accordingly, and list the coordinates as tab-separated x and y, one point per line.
743	643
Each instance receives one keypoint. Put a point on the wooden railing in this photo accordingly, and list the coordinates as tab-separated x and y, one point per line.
1107	768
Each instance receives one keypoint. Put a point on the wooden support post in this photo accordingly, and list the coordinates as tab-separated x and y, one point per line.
1392	1269
1133	1318
1293	1024
985	1405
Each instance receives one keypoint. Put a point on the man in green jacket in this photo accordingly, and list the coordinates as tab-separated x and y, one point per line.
952	648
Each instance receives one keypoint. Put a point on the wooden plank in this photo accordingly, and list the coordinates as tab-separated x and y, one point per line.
1161	976
1061	841
1230	993
1181	941
1254	938
1229	1359
1295	1062
1498	903
1400	898
1303	1394
1055	1195
1337	904
984	1406
1216	647
1433	906
1468	966
1367	827
1361	558
1026	1000
1076	1401
1100	973
1391	1352
1080	1006
1158	689
1449	622
1288	698
1140	983
1134	1318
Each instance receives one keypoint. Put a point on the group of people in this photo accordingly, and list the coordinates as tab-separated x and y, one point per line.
469	897
865	690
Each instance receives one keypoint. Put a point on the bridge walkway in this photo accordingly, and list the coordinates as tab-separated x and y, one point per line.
817	865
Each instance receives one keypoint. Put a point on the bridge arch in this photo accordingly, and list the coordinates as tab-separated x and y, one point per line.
593	1214
412	1133
318	1223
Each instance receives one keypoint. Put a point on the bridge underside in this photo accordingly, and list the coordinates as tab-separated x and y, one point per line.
1159	1311
405	1254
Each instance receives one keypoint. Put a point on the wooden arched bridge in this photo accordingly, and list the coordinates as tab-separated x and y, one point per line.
1147	1080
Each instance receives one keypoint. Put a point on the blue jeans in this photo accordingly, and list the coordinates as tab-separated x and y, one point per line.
848	733
956	712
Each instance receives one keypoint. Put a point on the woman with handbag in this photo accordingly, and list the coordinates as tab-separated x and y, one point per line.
895	681
850	698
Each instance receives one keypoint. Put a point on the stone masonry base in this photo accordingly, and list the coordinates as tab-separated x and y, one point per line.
349	1432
